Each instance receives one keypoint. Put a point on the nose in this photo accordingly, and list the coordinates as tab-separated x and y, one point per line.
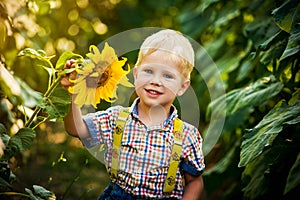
156	80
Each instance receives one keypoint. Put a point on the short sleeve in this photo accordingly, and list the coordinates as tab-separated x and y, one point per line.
100	125
193	158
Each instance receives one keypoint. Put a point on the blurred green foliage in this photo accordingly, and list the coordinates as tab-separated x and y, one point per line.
254	44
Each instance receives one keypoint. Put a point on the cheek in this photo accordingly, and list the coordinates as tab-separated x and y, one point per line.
172	87
142	78
139	82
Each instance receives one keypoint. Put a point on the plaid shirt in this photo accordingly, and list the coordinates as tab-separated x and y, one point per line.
145	151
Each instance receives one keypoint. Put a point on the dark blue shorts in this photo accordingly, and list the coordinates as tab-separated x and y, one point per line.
117	193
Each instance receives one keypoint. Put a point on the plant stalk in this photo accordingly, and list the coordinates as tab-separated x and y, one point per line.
46	95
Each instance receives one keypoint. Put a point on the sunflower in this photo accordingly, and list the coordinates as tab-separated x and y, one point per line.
98	77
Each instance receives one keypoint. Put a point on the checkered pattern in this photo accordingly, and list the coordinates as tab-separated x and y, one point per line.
145	151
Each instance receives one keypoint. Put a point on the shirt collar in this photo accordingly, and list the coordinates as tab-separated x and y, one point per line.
134	111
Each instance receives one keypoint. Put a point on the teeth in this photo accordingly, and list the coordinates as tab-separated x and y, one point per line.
153	92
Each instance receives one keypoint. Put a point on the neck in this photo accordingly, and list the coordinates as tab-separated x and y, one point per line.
154	115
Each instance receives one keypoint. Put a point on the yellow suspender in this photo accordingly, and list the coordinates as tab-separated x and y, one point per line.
175	155
118	133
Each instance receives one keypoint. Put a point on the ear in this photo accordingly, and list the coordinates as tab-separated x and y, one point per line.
135	72
184	87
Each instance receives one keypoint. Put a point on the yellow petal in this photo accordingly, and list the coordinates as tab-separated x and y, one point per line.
108	54
80	98
90	98
79	86
124	81
106	94
117	65
78	79
98	96
71	89
94	54
88	68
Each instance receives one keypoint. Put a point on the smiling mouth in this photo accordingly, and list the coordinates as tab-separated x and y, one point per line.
153	92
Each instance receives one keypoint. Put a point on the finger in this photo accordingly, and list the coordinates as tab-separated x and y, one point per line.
73	75
69	64
66	83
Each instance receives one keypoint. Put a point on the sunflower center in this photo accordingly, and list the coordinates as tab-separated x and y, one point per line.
95	82
104	77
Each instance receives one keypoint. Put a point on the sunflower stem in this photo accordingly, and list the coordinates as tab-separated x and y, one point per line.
14	194
37	108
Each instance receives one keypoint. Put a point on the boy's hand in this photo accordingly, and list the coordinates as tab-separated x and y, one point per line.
65	81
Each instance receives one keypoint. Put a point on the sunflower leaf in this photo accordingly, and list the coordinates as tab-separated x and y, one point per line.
57	105
264	133
39	54
255	94
67	71
21	141
287	16
67	55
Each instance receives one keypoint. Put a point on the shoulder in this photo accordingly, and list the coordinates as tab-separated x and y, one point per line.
187	127
191	133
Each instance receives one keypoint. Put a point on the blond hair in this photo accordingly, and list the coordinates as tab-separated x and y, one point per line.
173	46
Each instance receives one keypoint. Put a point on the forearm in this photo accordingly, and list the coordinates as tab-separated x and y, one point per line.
74	124
193	189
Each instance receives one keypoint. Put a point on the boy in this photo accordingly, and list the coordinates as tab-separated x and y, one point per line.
162	72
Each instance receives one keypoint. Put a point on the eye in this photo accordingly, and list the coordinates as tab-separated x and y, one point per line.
148	71
169	76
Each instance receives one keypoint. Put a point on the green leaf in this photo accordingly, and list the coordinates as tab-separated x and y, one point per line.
264	133
29	96
67	55
256	94
287	15
32	196
293	46
293	177
255	176
39	54
2	129
273	47
67	71
3	133
274	52
42	192
17	90
190	19
57	105
225	162
39	193
272	40
244	70
295	97
4	183
9	86
207	3
260	31
22	140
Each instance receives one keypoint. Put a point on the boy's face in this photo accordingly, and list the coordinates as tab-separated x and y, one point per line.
158	81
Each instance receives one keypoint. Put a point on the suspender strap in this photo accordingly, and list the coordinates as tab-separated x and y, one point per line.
175	156
117	135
